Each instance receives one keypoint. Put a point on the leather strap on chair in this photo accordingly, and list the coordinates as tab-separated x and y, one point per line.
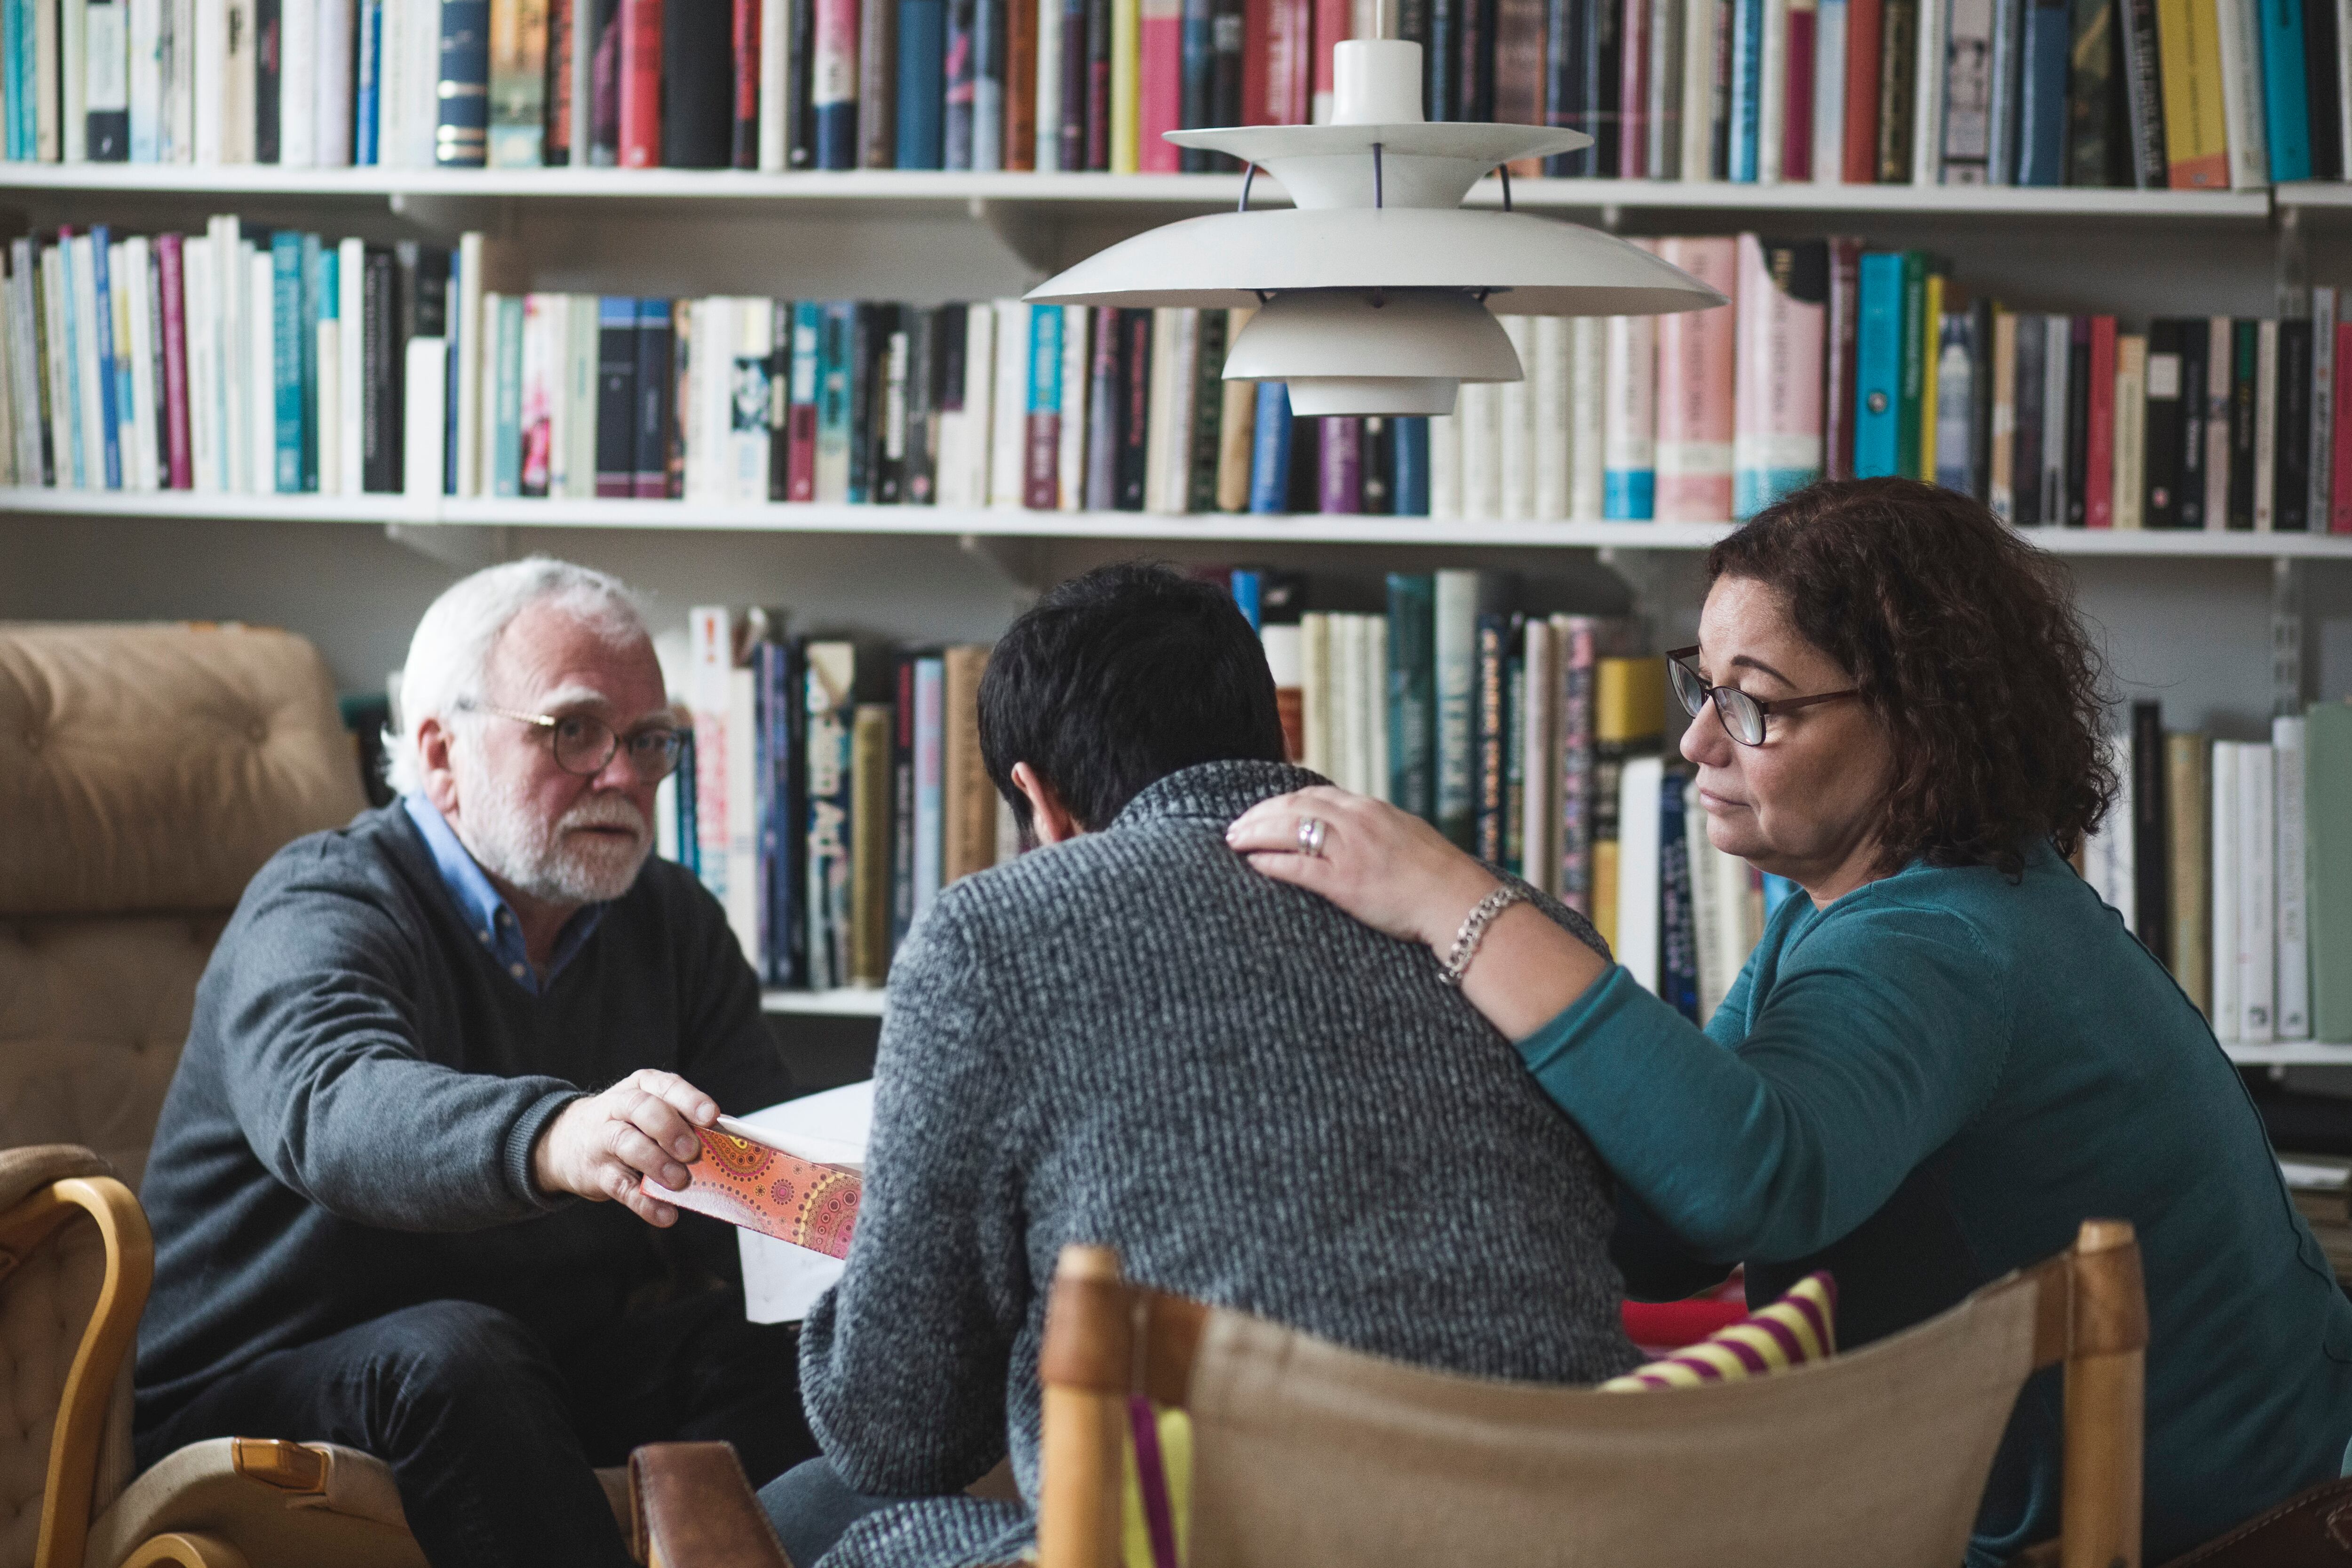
691	1507
2310	1530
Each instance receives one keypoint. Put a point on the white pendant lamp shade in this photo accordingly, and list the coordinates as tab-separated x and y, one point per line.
1373	290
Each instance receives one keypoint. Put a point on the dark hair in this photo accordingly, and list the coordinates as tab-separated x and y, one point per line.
1119	678
1963	642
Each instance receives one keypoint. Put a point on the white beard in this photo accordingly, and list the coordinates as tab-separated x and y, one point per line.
539	859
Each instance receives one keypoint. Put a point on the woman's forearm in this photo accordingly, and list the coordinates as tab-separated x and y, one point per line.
1527	972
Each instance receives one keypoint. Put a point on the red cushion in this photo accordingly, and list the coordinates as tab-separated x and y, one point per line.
1670	1325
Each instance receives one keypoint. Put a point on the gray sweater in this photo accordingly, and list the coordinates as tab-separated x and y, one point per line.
351	1126
1133	1038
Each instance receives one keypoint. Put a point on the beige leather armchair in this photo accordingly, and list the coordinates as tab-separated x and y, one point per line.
146	773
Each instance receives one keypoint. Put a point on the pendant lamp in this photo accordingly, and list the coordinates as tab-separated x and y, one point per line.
1373	289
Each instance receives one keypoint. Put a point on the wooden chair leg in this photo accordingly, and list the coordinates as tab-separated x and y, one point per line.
1086	1365
2105	1413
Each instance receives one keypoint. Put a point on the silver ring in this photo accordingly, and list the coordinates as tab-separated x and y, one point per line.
1311	830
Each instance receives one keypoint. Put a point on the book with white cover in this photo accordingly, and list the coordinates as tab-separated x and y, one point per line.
1515	450
1772	97
1077	343
2108	856
2226	938
1376	706
331	137
201	326
1480	410
1008	444
53	332
351	284
423	415
2257	907
1695	154
1928	94
261	369
1638	815
2218	365
1184	370
1829	93
775	57
89	408
2292	1009
2266	356
580	422
1587	398
1314	751
298	96
2242	119
743	831
135	311
1445	462
1550	434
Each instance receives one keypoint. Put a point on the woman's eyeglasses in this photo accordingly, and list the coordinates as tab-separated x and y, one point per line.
1742	715
585	745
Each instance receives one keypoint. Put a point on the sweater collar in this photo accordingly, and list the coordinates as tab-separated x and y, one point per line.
1214	792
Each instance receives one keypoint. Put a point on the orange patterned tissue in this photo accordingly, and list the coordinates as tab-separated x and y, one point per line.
762	1188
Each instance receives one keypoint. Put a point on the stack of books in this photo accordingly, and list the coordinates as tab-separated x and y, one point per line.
2185	94
2232	863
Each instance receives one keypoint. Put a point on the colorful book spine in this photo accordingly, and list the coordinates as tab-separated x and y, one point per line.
2286	123
1878	361
834	84
657	407
922	64
637	96
1160	84
285	339
1629	459
1270	453
108	401
1696	355
1413	694
2099	451
1043	426
1782	305
171	287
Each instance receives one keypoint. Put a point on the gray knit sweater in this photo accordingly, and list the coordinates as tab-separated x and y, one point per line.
1133	1038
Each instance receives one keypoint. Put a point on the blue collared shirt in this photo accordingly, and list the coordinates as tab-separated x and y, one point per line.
484	908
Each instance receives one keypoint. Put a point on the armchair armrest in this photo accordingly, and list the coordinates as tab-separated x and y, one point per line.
690	1507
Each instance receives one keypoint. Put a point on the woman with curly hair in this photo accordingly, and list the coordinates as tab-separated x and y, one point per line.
1949	1052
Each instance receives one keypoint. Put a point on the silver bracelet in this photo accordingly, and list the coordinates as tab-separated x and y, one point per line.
1474	931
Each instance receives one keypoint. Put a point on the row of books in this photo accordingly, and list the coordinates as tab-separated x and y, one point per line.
2184	93
2232	863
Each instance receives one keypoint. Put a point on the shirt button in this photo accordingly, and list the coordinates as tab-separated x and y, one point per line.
516	970
484	936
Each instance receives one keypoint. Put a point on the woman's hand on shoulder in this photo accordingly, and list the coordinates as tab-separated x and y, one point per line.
1385	867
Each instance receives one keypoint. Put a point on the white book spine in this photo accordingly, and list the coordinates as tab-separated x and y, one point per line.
421	116
1008	444
230	350
580	467
1445	462
1710	939
742	820
732	454
1539	754
1772	100
180	81
2220	343
775	65
755	339
1078	341
1159	422
392	82
146	64
1315	693
55	310
2238	23
2107	857
201	326
73	76
1637	867
1629	420
1551	435
1376	706
328	415
298	76
1515	426
261	369
1480	408
1348	702
90	410
351	284
1829	96
1697	149
2322	446
1927	93
979	403
2226	937
2293	1009
424	415
1048	151
699	420
130	280
330	135
1587	399
10	413
2257	909
23	368
547	381
2266	353
472	363
1177	499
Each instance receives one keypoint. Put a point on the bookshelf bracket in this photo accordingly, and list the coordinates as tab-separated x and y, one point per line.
1020	562
468	547
1018	230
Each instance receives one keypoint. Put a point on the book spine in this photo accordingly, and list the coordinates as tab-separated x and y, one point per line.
286	362
2263	459
2286	107
106	83
922	64
2292	997
2131	430
1864	44
1696	356
2008	49
2245	132
2257	895
2003	485
1629	474
617	397
1899	53
102	408
2319	448
2142	94
1550	434
989	44
2325	72
171	281
1799	91
743	99
2291	483
1340	481
2189	68
1454	642
2340	504
1236	439
1042	477
461	134
1878	356
1782	309
1964	147
2099	453
834	84
929	781
1159	83
638	89
1830	30
1927	92
1105	386
1270	452
1490	737
1019	149
801	403
2042	95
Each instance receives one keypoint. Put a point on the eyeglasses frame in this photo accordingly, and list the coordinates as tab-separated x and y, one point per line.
1764	708
550	722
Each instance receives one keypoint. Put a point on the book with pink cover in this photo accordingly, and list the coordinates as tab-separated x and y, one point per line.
747	1178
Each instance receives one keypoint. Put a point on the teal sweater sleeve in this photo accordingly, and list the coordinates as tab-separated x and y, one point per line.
1880	1032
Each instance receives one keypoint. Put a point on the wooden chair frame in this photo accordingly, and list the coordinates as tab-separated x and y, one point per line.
1107	1340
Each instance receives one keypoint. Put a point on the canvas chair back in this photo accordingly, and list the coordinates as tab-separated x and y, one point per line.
146	772
1306	1454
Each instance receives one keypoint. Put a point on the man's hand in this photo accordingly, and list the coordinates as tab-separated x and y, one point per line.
605	1145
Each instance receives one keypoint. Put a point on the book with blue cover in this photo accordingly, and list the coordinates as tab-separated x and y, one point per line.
461	139
655	404
1878	365
1746	86
1410	468
504	341
1412	693
2041	93
2287	110
110	410
286	359
317	303
836	386
1270	450
367	90
922	62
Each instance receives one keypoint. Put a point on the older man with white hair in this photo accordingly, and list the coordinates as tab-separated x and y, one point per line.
422	1039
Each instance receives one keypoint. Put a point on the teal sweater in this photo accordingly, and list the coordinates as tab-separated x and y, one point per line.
1932	1082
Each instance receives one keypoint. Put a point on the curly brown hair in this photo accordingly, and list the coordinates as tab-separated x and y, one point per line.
1963	641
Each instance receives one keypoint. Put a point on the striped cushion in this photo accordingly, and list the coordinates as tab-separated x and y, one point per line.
1799	1327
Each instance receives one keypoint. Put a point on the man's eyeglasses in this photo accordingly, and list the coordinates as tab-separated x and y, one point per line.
585	745
1742	715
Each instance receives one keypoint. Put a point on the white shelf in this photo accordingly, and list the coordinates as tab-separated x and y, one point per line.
1204	191
2291	1052
1005	522
842	1004
2313	193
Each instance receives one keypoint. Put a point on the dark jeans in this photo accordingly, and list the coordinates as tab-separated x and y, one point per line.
493	1436
811	1505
